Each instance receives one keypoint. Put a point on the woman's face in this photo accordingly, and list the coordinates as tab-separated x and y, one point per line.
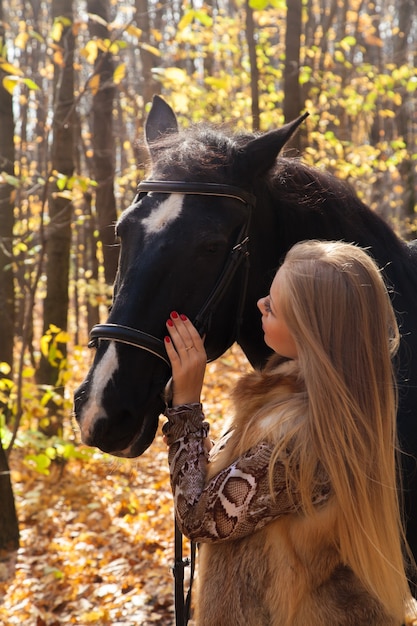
276	333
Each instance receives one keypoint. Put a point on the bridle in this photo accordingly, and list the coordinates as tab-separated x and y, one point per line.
154	345
238	253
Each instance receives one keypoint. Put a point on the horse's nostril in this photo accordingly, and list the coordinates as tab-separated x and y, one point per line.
104	436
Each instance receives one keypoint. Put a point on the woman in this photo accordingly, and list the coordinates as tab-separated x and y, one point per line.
297	511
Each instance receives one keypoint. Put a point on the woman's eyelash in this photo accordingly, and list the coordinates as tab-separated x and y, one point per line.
267	305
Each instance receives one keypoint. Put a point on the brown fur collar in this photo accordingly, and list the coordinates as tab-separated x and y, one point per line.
259	398
278	381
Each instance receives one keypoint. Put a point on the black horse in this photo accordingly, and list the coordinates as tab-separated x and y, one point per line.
212	202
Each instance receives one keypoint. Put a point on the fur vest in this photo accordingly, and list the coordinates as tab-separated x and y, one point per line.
288	573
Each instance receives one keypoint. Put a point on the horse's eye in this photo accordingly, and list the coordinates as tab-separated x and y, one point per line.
213	245
211	248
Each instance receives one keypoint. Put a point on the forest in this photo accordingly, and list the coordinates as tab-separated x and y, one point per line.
84	538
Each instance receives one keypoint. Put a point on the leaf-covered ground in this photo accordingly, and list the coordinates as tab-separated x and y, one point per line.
97	535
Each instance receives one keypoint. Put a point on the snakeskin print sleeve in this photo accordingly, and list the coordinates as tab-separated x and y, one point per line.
235	502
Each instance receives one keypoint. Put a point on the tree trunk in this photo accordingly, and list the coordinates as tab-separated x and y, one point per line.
149	85
406	9
7	156
103	142
60	209
9	527
254	72
292	91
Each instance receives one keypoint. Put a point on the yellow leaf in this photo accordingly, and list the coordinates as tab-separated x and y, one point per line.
134	31
373	40
218	83
119	73
151	49
156	34
95	616
10	69
29	83
44	345
6	385
90	51
28	372
95	83
387	113
62	337
59	58
5	368
67	194
21	40
175	74
186	20
76	28
180	102
56	31
397	99
113	48
105	44
10	82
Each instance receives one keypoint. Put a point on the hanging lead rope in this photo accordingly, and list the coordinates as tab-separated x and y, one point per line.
182	604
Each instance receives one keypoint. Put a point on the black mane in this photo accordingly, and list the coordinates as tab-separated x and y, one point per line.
312	199
199	153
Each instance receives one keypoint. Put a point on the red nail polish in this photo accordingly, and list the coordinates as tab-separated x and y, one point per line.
167	339
183	317
170	323
174	315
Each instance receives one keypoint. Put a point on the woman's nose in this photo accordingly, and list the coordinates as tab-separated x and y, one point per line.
260	304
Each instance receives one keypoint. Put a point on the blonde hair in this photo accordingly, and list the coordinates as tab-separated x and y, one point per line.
337	307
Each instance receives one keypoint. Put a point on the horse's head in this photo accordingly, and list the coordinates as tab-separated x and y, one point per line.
184	244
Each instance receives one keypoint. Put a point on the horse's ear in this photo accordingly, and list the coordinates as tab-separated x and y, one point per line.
160	121
259	154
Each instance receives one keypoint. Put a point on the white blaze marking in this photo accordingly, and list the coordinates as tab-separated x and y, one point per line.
102	375
164	214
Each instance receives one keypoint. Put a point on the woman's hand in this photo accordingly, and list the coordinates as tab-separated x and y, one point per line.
185	350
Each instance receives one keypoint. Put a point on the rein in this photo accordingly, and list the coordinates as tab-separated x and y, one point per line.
144	341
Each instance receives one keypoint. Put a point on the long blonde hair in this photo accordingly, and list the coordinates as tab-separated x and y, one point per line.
337	307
